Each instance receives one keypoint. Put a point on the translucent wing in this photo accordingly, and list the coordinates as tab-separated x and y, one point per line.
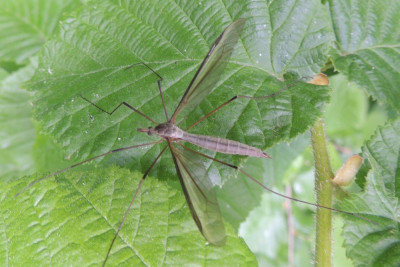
211	68
200	194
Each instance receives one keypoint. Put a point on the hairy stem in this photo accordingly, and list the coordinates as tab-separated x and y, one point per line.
323	188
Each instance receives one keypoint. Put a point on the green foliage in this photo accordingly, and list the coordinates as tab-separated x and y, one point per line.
377	244
86	49
26	25
158	226
367	46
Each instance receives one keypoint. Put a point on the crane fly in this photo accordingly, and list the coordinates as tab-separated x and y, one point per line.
196	185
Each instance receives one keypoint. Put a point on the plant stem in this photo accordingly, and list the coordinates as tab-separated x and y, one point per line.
323	188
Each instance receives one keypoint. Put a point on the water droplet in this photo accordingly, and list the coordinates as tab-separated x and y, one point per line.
260	55
286	55
5	144
72	100
91	117
265	25
119	138
184	50
50	71
86	132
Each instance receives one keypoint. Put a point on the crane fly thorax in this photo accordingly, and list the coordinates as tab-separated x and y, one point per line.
168	130
164	130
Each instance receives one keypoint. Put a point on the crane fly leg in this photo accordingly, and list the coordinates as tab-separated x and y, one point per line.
158	83
121	104
129	106
131	203
274	192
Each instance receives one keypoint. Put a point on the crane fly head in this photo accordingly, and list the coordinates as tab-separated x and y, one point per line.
149	131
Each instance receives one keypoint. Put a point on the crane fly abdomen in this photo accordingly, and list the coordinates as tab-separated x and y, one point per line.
170	131
223	145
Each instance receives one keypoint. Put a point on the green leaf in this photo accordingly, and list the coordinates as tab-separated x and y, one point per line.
95	46
367	46
382	152
89	56
71	221
17	133
26	24
371	244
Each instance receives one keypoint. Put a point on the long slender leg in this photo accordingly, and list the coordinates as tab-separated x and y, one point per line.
131	203
158	82
122	103
272	191
162	99
243	96
82	162
147	66
129	106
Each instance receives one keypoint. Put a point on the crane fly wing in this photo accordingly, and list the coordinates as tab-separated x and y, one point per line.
200	194
211	68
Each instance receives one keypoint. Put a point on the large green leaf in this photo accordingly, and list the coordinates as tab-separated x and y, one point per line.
26	25
94	45
368	46
71	222
371	244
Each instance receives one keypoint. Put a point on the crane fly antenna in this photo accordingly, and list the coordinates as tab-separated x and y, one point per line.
82	162
131	203
247	97
274	192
